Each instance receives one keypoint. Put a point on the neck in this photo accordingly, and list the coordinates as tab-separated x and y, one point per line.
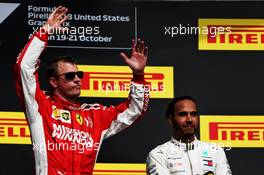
187	138
72	100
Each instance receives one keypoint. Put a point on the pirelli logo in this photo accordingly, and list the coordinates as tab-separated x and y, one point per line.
14	128
117	168
114	81
234	34
234	131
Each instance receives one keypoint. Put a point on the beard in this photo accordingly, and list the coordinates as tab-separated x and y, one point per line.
188	130
184	131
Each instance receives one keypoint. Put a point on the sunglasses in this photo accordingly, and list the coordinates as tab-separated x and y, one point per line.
71	75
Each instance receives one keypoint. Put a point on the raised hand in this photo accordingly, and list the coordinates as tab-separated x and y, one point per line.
55	20
138	59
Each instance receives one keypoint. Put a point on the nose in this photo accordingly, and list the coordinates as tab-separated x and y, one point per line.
188	118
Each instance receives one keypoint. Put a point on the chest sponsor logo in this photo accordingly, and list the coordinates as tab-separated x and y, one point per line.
175	164
60	114
72	135
205	153
208	162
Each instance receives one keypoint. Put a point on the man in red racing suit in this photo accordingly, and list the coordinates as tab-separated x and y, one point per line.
66	135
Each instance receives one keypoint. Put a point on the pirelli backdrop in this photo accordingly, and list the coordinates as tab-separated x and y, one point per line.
212	51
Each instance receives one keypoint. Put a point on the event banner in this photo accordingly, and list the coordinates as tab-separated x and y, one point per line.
225	130
233	131
114	81
231	34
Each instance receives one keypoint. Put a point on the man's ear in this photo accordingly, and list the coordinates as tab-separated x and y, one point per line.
53	82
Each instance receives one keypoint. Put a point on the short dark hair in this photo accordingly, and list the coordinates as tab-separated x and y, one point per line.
52	66
171	105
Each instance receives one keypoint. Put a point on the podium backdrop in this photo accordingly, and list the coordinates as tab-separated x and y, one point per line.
223	71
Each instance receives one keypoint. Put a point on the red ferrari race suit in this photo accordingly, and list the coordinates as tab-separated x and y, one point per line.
66	137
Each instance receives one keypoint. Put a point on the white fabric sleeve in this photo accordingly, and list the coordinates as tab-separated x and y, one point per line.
156	164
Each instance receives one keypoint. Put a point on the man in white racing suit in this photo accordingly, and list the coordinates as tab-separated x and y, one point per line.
184	154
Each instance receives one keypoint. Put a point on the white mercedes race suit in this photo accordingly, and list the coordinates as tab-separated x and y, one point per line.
196	158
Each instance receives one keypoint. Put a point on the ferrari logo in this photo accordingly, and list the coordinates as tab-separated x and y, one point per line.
79	119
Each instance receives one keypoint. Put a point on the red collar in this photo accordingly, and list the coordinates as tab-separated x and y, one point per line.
65	103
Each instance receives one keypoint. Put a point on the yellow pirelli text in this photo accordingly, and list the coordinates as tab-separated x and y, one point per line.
14	128
114	81
233	131
231	34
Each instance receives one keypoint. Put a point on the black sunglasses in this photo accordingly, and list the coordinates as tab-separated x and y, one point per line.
71	75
